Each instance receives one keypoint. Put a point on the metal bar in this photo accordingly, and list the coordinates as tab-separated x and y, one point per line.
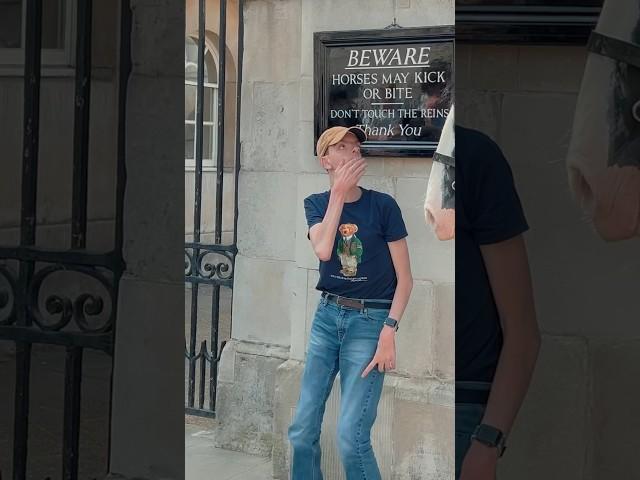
203	372
111	260
238	107
198	412
198	193
215	324
29	335
199	126
213	247
21	412
222	57
31	131
72	389
192	345
124	68
81	125
209	281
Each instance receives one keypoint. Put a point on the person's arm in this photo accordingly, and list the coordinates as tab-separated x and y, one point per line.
385	356
508	271
400	257
323	234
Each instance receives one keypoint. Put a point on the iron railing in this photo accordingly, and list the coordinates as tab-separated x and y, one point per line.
29	313
211	263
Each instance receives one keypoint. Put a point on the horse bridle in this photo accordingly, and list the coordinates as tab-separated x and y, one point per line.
616	49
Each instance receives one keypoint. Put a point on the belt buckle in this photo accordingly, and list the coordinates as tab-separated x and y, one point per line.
348	302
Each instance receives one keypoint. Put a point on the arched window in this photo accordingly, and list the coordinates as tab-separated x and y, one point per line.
210	113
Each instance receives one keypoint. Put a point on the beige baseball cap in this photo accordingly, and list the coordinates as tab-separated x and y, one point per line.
333	135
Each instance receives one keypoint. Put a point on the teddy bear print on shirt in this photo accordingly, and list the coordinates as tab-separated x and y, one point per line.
349	249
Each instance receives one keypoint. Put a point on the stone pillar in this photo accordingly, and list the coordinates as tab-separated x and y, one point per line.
147	435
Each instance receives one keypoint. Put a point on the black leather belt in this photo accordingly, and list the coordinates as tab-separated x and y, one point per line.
354	303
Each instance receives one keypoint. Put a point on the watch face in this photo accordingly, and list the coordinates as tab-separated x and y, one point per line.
488	434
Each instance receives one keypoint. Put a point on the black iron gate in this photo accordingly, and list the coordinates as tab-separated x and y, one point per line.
211	265
31	315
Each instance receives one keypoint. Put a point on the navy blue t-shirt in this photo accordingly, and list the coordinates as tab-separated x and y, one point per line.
360	264
488	210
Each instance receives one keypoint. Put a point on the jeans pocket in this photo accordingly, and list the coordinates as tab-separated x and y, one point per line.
377	315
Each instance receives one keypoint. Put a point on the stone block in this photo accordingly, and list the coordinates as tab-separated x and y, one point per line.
321	17
407	167
157	44
307	184
550	435
313	298
287	391
415	341
431	259
299	314
262	300
151	185
270	119
614	435
308	162
423	439
464	78
245	405
378	183
266	215
494	67
479	110
443	333
272	28
418	13
551	68
307	104
145	441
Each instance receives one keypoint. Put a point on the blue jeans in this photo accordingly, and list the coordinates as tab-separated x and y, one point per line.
468	417
342	340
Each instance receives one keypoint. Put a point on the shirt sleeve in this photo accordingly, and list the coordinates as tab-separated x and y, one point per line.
312	213
393	225
497	211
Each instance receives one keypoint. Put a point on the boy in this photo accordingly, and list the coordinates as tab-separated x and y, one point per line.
365	282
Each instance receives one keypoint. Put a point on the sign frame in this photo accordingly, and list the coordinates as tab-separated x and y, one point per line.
537	22
323	41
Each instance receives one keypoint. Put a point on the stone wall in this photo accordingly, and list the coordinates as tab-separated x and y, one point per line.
276	271
580	403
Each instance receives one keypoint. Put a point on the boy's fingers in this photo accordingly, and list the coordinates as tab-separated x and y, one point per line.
368	369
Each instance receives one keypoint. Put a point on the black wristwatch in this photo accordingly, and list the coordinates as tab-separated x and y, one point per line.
390	322
490	436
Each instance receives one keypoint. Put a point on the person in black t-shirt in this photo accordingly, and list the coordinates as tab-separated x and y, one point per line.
497	337
358	236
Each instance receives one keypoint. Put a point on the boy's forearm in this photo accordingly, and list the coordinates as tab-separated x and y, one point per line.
511	380
401	298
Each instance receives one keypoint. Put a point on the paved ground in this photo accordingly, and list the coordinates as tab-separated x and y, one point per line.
203	461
